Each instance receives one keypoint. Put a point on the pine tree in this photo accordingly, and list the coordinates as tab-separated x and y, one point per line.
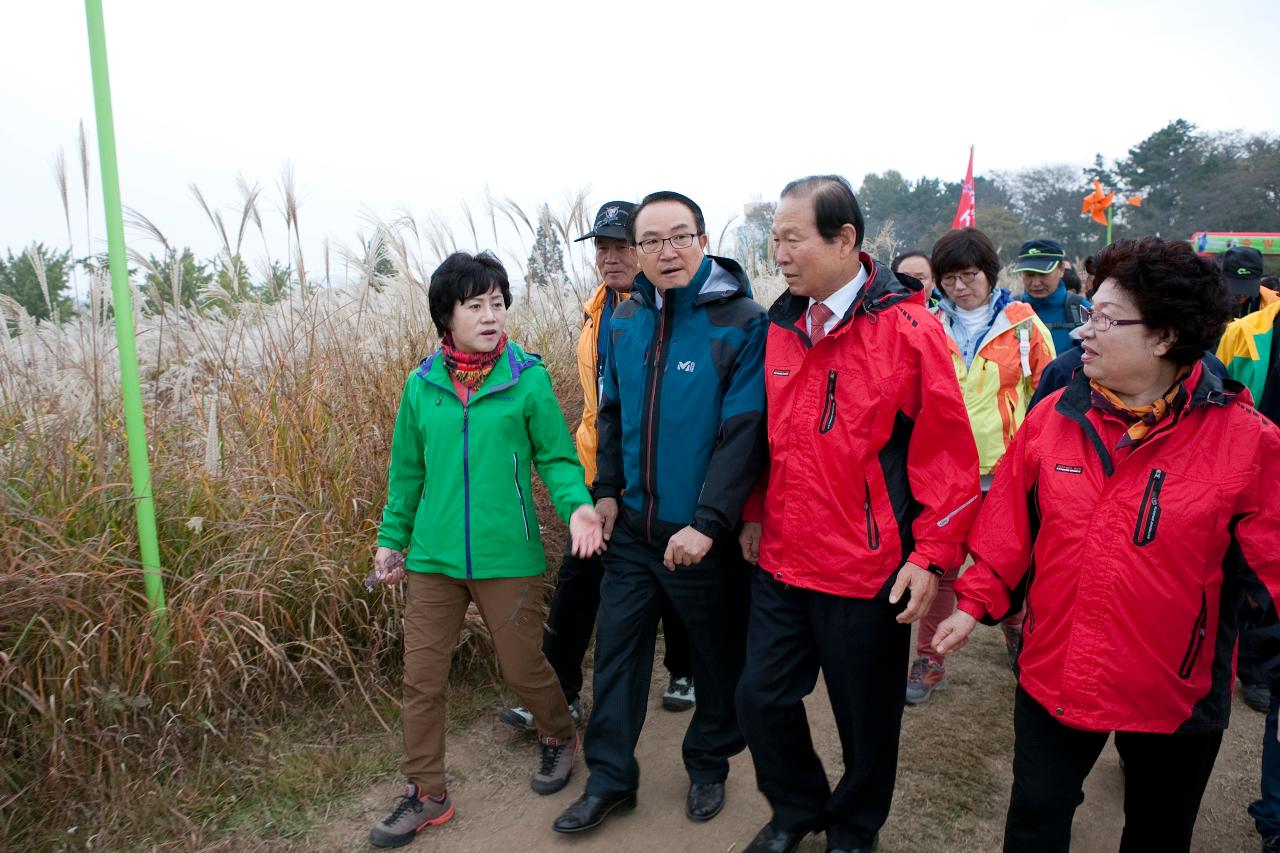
546	260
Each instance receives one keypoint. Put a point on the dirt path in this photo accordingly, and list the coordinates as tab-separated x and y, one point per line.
953	784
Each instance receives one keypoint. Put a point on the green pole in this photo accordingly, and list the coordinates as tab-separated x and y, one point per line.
135	424
1108	225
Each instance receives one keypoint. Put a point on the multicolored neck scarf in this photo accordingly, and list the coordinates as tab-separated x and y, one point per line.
470	368
1144	418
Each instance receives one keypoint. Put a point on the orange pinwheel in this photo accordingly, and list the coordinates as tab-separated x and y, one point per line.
1096	204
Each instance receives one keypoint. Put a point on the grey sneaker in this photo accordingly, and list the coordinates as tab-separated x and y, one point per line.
413	813
519	717
927	675
679	695
556	765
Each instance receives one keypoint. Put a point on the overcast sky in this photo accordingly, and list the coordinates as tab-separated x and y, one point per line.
386	106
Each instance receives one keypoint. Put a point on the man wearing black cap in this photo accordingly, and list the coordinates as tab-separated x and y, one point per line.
1041	263
577	595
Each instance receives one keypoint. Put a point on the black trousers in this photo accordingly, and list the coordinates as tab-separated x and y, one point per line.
1251	661
1164	778
710	599
572	618
862	652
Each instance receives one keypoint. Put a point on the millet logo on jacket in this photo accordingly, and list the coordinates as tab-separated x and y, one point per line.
686	366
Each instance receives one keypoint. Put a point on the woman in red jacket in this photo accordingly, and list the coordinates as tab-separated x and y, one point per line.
1127	513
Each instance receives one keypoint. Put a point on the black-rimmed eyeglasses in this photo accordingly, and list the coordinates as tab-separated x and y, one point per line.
677	241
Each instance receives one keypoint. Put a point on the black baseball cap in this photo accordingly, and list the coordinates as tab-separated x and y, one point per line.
1041	256
612	220
1242	267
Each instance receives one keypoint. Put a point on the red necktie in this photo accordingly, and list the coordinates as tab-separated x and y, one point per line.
819	314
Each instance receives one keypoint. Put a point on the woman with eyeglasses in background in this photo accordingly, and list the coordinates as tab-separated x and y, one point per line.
999	347
1130	614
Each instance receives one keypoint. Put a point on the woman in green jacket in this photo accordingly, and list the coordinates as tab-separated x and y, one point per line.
474	415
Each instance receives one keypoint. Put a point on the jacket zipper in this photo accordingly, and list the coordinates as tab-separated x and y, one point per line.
515	475
1149	510
653	406
466	486
1192	657
829	408
873	529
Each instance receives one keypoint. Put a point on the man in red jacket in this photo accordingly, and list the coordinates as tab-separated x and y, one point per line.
872	486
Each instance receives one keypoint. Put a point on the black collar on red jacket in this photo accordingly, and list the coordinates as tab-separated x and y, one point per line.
883	289
1077	400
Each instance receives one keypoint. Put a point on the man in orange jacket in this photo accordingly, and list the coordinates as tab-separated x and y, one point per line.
577	595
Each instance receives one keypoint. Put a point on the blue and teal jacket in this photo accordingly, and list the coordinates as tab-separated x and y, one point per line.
1060	312
682	429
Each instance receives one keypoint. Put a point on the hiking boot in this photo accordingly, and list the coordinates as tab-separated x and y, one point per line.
1256	696
414	812
927	675
679	694
1012	644
556	765
519	717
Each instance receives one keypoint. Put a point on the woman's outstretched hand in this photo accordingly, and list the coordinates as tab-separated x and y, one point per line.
953	633
586	531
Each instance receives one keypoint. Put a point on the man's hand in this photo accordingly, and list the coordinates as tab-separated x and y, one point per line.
924	586
586	531
608	510
953	633
686	548
749	539
389	564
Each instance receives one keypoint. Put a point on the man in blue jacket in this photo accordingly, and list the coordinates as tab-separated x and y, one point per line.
681	426
1041	263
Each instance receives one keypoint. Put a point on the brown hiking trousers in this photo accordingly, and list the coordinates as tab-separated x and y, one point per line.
512	610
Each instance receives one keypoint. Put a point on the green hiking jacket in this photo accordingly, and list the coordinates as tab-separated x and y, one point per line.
459	491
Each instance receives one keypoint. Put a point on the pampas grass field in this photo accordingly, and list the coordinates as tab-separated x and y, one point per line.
269	429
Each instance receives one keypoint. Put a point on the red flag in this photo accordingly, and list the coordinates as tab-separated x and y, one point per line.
966	216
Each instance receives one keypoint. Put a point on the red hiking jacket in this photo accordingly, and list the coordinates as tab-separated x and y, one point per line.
872	461
1131	564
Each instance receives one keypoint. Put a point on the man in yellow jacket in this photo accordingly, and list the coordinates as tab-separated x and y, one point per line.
577	595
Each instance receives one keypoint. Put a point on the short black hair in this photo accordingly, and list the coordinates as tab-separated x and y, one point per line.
1175	290
666	195
1071	279
464	276
964	248
897	262
834	204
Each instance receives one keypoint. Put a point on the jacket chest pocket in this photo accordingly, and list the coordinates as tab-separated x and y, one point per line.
829	409
1149	509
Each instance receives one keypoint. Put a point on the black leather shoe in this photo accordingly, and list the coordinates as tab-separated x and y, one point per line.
588	812
869	848
771	839
705	800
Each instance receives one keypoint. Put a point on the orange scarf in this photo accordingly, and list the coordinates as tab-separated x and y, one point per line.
1144	418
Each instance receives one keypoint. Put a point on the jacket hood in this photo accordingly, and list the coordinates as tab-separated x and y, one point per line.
717	278
883	290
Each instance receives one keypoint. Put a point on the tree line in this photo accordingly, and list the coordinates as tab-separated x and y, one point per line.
1188	180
